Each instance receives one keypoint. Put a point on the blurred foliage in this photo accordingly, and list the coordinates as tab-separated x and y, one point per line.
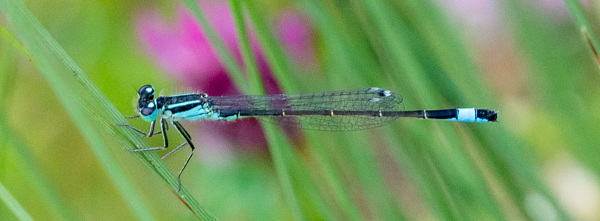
61	158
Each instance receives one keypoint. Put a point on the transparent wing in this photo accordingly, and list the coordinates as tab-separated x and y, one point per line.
369	99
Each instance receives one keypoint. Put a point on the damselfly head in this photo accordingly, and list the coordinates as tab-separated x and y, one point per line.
146	103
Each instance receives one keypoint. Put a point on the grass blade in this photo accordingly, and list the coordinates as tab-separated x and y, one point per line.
54	63
589	36
34	175
91	111
248	57
301	193
13	204
278	61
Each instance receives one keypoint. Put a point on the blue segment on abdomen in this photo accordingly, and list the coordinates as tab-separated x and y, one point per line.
468	115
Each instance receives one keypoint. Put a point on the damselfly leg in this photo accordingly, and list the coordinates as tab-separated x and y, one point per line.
164	127
149	134
188	140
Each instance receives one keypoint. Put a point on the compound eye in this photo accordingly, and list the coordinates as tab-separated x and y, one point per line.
148	110
146	90
146	93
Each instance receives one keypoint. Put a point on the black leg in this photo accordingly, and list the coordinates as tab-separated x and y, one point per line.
183	132
163	125
174	150
149	134
188	140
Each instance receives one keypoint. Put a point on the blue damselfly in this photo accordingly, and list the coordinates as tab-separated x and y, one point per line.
329	111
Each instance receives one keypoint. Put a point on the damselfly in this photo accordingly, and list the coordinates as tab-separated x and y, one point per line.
329	111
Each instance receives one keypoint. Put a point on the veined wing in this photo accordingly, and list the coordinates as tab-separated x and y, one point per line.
330	102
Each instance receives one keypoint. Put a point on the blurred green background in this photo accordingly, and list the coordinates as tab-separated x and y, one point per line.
61	157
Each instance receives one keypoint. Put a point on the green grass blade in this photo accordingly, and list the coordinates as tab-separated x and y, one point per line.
370	175
332	178
349	55
447	46
559	75
589	35
399	55
54	64
416	162
299	187
13	204
14	141
9	37
90	110
7	65
450	52
34	175
255	79
278	61
282	159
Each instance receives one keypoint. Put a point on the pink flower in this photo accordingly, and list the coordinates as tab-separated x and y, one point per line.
182	50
